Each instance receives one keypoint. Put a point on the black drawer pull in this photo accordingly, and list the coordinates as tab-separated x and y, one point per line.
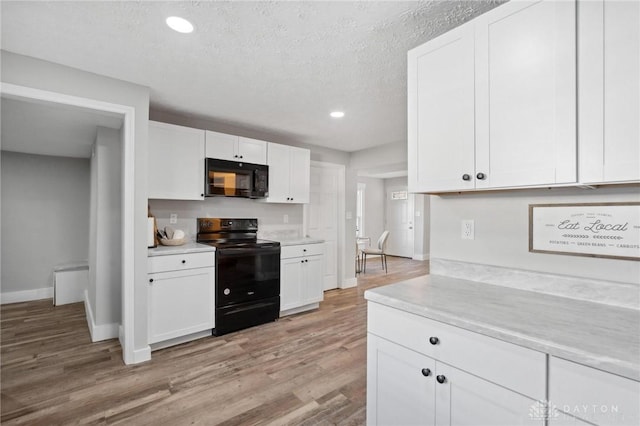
441	379
466	177
481	176
434	340
426	372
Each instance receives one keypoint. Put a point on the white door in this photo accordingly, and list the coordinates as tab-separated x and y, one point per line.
322	217
399	222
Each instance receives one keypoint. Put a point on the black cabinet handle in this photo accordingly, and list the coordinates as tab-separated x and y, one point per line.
441	378
426	372
202	195
241	156
306	260
481	176
434	340
302	261
184	261
304	249
150	280
466	177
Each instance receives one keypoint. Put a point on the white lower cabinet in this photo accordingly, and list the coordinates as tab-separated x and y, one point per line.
301	272
580	395
180	302
423	372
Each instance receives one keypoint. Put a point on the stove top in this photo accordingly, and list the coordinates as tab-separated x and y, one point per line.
225	243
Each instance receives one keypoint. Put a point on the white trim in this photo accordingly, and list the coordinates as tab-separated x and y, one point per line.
98	332
128	197
299	309
26	295
349	282
424	256
141	355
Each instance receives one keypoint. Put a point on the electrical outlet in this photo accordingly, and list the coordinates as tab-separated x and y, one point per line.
467	231
285	218
173	218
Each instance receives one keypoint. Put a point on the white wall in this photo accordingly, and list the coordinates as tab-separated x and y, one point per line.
45	217
502	231
105	245
31	72
384	158
374	208
422	226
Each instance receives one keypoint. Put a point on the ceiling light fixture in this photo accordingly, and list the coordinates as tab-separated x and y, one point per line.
337	114
180	25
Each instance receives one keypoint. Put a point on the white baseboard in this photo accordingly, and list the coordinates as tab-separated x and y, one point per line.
299	309
423	256
99	332
26	295
349	282
139	355
180	340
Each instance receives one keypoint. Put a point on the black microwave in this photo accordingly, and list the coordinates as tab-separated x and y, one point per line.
232	179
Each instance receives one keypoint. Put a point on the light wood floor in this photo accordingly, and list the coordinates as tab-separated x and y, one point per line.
305	369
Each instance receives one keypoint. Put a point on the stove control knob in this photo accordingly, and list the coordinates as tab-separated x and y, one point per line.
227	292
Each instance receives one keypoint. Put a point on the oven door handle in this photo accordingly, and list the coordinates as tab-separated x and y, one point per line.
240	251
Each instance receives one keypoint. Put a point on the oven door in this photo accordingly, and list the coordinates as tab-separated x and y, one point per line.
246	275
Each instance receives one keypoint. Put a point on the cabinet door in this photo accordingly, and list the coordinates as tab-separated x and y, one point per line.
593	395
176	162
467	400
221	146
278	161
180	303
398	391
441	133
313	279
609	91
526	94
252	150
291	279
299	176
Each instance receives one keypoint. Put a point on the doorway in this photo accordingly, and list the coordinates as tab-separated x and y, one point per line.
399	209
126	114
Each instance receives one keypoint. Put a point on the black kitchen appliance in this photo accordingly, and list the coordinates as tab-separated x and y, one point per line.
247	273
235	179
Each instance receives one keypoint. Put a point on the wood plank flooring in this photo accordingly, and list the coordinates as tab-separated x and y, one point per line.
305	369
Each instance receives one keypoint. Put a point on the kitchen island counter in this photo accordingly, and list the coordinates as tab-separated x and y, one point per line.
597	335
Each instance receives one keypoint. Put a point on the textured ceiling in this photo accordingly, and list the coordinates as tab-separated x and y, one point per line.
274	67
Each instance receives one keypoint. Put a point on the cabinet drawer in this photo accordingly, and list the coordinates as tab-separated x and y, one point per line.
301	250
177	262
593	395
515	367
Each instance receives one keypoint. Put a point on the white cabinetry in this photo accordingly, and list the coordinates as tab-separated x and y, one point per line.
289	174
492	103
180	295
421	371
591	395
609	91
301	277
235	148
176	162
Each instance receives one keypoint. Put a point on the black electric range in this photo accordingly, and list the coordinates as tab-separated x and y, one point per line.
247	272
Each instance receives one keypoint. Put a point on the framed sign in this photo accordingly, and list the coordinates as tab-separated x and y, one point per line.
610	230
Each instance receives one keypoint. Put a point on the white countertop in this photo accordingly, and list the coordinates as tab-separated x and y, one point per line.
299	241
601	336
183	249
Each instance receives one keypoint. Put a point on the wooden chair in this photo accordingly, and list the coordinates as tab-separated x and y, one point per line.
380	251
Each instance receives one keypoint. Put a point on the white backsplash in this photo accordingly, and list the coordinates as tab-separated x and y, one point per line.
270	216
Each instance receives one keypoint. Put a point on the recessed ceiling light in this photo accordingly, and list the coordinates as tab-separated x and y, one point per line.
180	25
337	114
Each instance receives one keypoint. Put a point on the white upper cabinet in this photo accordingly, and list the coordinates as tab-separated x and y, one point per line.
526	94
176	162
441	113
289	174
491	104
235	148
609	91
